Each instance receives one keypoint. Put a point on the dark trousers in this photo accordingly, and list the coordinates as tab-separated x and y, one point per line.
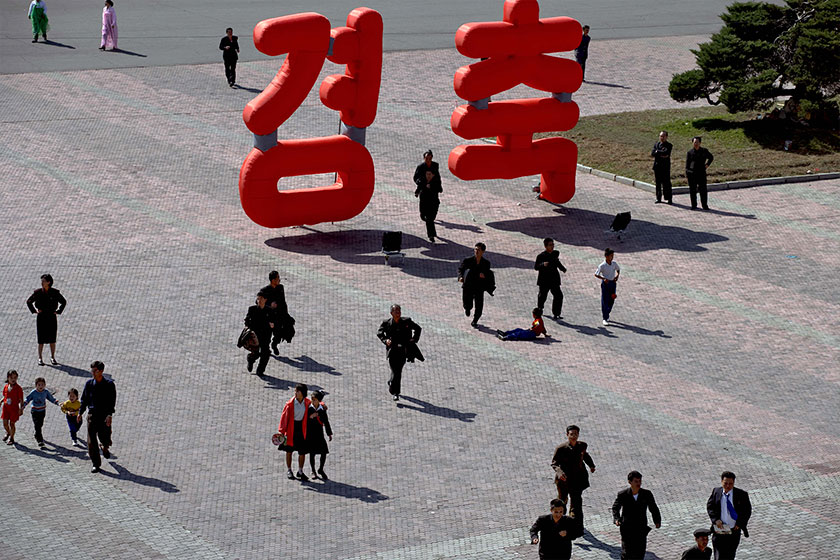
230	71
582	68
428	215
476	296
38	420
697	183
573	499
607	300
396	361
633	543
557	302
663	183
264	353
726	545
312	461
74	425
97	429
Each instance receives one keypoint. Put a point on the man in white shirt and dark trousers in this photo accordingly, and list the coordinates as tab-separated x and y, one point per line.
608	271
729	509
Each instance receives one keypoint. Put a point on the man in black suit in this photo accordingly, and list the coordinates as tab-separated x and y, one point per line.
259	320
399	335
570	474
701	550
554	533
729	509
630	514
278	311
697	160
549	267
476	277
661	154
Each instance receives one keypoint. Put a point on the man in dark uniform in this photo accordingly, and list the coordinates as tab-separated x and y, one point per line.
549	267
99	398
258	320
399	335
630	515
475	276
571	477
582	52
729	509
276	303
661	154
229	45
554	533
701	550
697	161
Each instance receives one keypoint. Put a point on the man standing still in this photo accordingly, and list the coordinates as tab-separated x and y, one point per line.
582	52
701	550
570	474
399	335
549	267
630	515
99	397
554	533
697	161
475	276
229	45
661	154
729	509
278	311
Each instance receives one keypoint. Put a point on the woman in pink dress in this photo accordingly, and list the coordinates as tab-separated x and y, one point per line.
109	27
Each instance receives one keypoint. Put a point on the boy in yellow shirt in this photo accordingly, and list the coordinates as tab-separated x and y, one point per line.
70	408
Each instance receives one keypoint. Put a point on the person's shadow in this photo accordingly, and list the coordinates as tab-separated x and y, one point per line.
284	384
462	227
43	453
718	212
605	84
77	452
586	228
124	474
597	544
57	44
130	53
334	488
429	408
586	329
639	330
252	90
74	371
305	363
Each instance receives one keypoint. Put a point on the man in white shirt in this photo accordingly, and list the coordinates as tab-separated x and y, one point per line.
608	272
729	509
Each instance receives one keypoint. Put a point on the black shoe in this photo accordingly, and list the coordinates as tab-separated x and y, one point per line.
658	202
251	364
705	208
101	48
323	474
45	37
95	469
467	312
275	349
474	322
290	475
53	362
302	477
500	335
35	40
694	208
670	202
105	452
396	398
42	445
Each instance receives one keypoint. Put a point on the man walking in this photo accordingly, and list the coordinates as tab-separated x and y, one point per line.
278	311
697	161
549	268
729	509
582	52
701	550
99	397
258	320
475	277
229	45
399	335
608	272
661	154
630	515
570	474
554	533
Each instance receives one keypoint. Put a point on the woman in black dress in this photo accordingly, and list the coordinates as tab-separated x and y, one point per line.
318	420
47	302
427	179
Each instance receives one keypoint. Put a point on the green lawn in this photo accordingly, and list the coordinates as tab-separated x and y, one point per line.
744	147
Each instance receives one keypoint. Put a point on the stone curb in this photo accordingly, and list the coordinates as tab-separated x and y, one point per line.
642	185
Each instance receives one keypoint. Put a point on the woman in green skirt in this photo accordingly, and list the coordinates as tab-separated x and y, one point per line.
38	15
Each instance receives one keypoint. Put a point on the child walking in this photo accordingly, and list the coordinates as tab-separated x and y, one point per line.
608	272
12	405
39	397
70	408
317	420
537	329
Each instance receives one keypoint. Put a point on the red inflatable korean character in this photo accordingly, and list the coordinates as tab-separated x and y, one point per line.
513	52
308	40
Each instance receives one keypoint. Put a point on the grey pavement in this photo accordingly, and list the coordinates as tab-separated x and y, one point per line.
123	185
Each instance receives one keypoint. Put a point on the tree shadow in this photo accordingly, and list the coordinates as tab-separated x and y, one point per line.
252	90
124	474
586	329
604	84
771	134
429	408
44	454
367	495
462	227
305	363
364	246
284	384
57	44
639	330
586	228
597	544
74	371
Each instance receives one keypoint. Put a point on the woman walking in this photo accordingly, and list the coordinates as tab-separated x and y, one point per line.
47	302
40	23
109	27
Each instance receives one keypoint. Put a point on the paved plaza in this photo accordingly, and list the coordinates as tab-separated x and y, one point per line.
123	185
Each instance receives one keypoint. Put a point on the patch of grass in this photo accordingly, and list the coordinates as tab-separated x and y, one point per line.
744	147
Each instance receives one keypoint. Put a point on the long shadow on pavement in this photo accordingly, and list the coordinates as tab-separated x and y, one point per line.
284	384
130	53
56	44
124	474
597	544
305	363
43	453
718	212
605	84
334	488
70	370
639	330
586	329
586	228
429	408
463	227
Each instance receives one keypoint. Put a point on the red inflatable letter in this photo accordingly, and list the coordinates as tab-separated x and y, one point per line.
308	40
513	52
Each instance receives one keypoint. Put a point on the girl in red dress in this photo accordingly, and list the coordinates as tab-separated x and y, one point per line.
12	400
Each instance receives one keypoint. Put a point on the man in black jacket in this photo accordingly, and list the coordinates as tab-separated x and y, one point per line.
570	474
630	515
99	398
278	312
475	276
697	160
554	533
259	320
661	154
549	268
729	509
229	45
399	335
701	550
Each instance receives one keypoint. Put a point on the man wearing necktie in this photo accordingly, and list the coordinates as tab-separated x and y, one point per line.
729	509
